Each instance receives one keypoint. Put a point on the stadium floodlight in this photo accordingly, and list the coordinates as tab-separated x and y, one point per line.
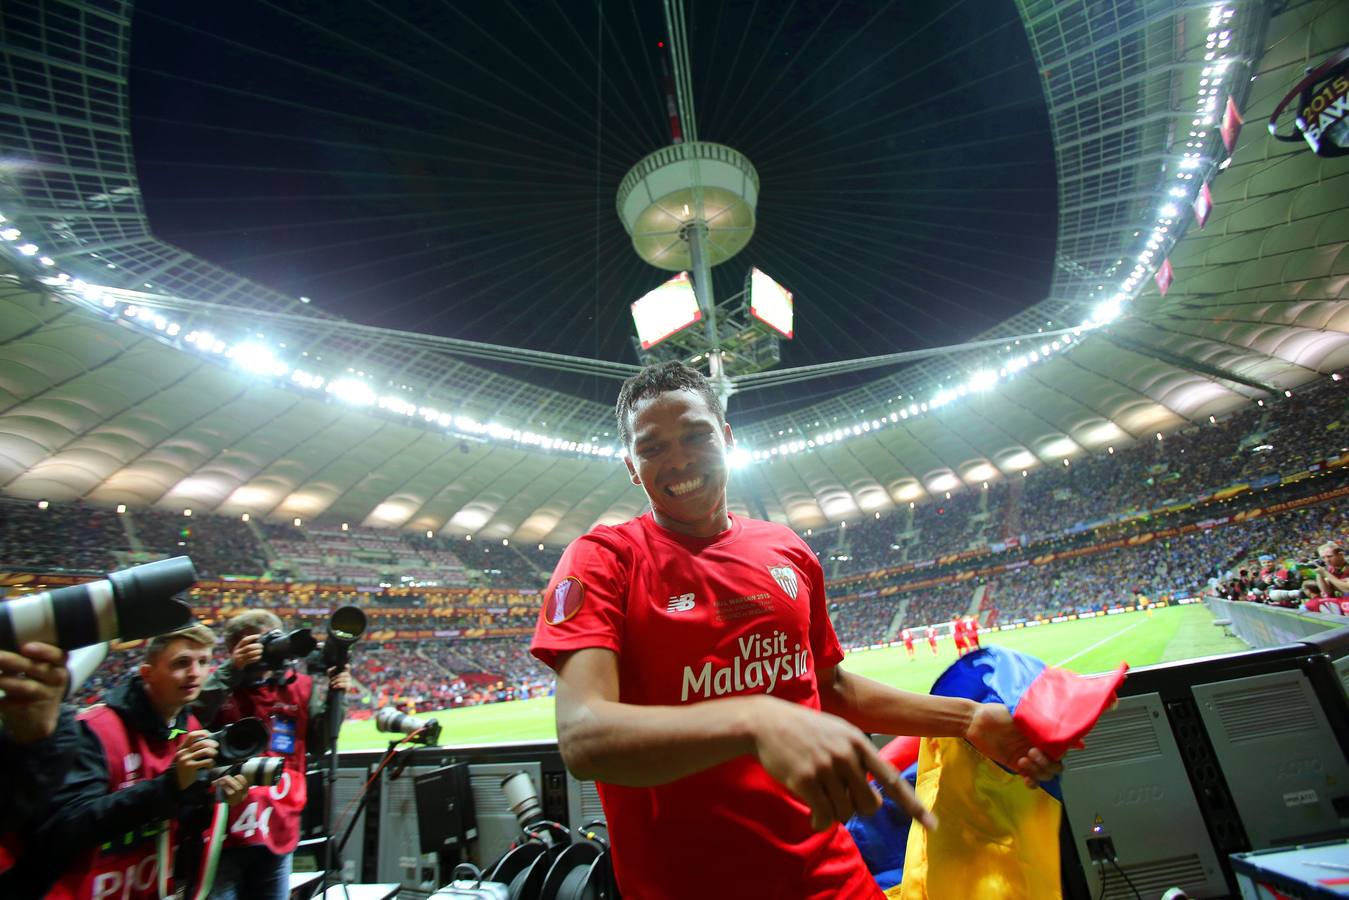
256	359
666	311
353	391
1107	311
27	249
739	458
983	380
10	234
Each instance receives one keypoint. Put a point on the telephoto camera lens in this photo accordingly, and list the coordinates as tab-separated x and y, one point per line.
259	771
128	605
81	663
523	798
345	626
391	721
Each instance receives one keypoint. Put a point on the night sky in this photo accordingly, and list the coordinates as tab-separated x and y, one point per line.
451	167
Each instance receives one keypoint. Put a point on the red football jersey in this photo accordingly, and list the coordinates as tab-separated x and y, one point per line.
693	620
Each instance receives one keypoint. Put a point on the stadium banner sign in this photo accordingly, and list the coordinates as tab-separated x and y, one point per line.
1271	626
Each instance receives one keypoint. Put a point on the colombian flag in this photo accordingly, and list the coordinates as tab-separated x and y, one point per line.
996	837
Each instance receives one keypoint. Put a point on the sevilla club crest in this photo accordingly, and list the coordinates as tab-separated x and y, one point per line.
785	576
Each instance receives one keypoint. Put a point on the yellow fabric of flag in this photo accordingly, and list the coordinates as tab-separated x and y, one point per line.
995	838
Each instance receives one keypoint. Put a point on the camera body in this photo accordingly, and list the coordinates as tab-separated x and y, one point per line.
281	648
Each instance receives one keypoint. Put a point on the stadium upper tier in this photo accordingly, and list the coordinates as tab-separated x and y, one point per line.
103	403
1287	447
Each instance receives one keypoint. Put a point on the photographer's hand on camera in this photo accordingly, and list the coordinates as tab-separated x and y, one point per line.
234	788
196	755
339	681
247	652
33	683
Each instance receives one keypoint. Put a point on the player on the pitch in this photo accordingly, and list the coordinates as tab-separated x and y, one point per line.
932	638
971	633
958	635
907	636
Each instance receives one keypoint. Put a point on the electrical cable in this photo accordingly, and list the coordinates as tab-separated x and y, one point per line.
1114	862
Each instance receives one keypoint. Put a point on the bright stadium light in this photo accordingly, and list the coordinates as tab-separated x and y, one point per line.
256	359
983	380
353	391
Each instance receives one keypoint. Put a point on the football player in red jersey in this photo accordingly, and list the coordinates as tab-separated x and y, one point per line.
932	638
698	674
907	635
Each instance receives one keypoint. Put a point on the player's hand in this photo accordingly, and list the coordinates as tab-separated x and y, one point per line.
234	788
994	734
196	754
339	682
824	761
246	652
32	684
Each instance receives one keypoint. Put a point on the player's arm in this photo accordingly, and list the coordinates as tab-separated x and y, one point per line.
879	708
820	758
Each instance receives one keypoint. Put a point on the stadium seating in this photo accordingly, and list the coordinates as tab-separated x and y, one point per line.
449	619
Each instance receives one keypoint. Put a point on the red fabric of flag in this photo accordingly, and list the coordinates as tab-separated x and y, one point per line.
1164	277
1203	205
1231	126
1060	707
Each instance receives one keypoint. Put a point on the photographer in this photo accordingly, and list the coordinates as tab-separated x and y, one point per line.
138	770
1332	576
37	743
264	831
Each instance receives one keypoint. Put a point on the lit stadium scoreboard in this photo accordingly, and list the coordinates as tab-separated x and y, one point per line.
770	303
751	324
666	311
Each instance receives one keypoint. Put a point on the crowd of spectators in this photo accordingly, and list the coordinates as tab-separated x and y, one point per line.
496	562
1276	438
220	546
480	597
60	537
446	671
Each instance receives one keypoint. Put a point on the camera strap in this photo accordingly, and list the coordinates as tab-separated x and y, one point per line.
210	854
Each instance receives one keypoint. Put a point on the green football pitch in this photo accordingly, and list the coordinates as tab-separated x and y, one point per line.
1089	645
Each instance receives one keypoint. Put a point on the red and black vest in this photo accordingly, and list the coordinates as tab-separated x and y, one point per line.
126	868
270	816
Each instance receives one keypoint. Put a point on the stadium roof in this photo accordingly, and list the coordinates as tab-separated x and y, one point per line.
103	405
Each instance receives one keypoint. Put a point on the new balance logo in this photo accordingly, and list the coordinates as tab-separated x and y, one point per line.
682	603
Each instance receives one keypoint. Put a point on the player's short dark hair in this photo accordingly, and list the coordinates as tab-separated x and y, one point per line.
658	379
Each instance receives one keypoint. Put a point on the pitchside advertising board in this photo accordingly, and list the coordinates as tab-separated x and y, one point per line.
666	311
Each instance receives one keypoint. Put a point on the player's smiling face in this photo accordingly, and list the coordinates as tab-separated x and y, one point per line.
678	456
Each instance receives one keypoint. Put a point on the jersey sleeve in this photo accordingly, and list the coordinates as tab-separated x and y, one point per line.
584	603
824	645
